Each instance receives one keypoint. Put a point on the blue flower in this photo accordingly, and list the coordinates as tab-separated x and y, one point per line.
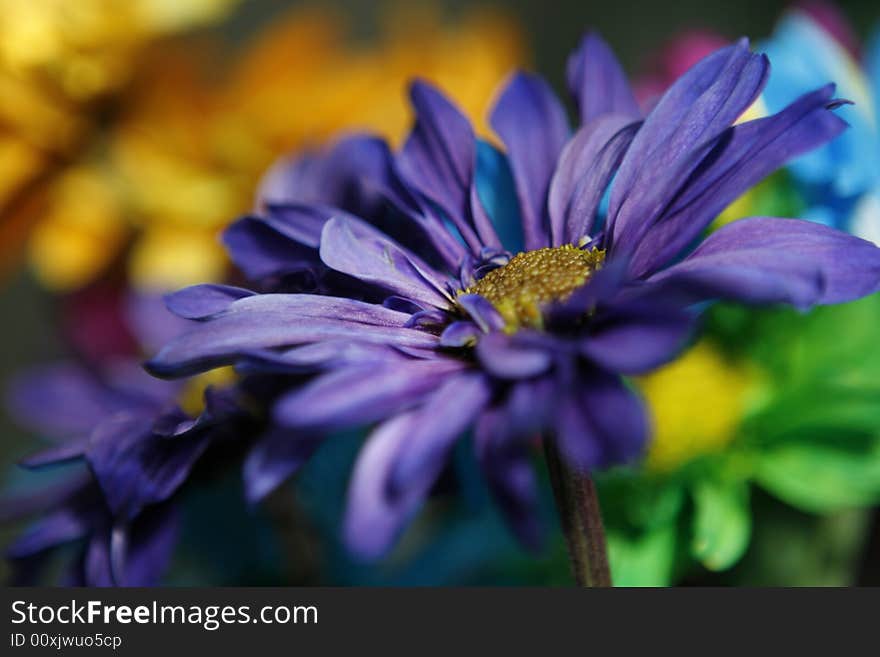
841	180
386	296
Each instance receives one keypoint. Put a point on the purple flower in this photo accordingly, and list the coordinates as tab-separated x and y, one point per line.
126	449
388	298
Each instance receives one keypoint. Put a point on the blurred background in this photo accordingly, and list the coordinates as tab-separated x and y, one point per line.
129	137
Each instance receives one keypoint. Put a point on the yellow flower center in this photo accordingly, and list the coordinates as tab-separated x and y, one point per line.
531	279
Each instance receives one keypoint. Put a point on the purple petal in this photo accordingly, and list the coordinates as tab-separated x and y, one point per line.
600	423
260	251
341	176
637	337
361	394
585	168
438	160
358	249
318	356
532	124
530	407
202	301
298	222
373	519
68	451
445	416
274	458
744	155
507	358
601	287
136	467
677	135
144	549
460	334
481	311
430	319
290	179
97	566
415	224
597	82
278	320
403	305
61	526
767	260
510	476
77	401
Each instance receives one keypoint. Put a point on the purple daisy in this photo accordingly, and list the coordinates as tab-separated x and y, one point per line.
126	449
388	299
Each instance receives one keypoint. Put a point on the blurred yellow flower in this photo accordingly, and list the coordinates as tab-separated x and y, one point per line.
183	149
62	63
696	404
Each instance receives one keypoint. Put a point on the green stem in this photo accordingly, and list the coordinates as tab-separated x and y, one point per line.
581	518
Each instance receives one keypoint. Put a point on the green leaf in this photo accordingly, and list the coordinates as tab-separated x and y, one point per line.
830	343
722	522
633	501
821	478
642	559
817	408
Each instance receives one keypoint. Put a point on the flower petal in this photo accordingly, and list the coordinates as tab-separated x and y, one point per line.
438	160
136	467
512	482
78	401
508	358
481	311
500	441
677	135
273	458
638	336
600	423
279	320
61	526
357	249
442	420
532	124
597	82
460	334
318	356
67	451
361	394
260	251
373	519
744	155
601	287
142	550
344	176
495	192
585	168
768	260
202	301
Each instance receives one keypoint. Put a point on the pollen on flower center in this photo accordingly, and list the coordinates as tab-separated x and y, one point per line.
532	279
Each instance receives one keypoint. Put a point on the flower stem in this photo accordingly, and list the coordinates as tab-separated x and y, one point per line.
581	518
